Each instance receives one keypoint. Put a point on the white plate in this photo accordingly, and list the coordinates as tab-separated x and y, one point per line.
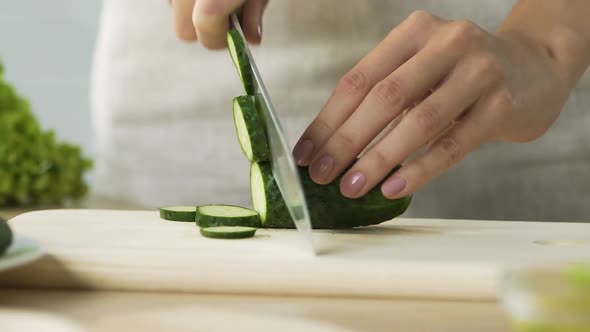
22	251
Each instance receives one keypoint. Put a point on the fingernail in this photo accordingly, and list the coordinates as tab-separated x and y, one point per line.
321	169
352	184
302	152
393	186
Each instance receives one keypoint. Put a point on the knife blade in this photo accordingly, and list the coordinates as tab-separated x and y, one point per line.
283	165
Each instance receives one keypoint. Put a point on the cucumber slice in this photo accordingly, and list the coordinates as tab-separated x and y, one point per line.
267	200
178	213
237	51
226	215
250	129
228	232
328	208
5	236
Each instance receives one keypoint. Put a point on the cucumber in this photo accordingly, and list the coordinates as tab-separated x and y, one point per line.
226	215
178	213
328	208
237	51
228	232
267	200
250	129
5	236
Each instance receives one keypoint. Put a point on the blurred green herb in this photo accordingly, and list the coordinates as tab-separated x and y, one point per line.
35	168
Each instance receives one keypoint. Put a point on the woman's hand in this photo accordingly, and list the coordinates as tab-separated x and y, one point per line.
208	20
448	86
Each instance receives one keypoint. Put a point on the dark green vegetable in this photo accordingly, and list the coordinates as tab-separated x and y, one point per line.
178	213
226	215
5	236
237	50
328	208
250	129
35	168
228	232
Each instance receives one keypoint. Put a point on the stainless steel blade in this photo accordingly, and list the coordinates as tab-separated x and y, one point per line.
283	164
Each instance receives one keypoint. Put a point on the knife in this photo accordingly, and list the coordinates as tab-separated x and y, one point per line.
282	162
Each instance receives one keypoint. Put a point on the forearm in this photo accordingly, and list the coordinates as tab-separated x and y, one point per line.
561	27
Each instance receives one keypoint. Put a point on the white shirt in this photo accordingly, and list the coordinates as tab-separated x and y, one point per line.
165	135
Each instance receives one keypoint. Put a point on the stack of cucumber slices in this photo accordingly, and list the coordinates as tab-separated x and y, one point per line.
328	208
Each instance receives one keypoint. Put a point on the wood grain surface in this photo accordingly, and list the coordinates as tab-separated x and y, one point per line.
404	258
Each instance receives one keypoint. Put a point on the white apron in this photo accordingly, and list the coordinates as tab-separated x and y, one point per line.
164	131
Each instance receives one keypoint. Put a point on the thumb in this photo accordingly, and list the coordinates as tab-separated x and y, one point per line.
252	20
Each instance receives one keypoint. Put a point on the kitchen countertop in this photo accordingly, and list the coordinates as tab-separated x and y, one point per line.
125	311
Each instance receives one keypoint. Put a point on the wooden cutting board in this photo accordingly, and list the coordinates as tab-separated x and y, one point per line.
421	258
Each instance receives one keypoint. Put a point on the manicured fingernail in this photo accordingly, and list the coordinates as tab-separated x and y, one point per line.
302	152
393	186
321	169
352	184
259	27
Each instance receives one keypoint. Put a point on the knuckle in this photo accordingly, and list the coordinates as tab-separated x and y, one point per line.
420	18
489	66
380	158
185	34
420	169
318	131
322	125
344	139
203	25
389	92
214	7
354	82
503	102
451	151
463	34
427	117
200	26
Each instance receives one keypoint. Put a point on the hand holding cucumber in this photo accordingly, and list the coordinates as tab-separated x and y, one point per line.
447	87
208	20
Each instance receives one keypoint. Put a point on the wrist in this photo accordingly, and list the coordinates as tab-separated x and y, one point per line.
567	49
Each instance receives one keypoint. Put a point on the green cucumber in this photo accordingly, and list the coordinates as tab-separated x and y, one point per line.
6	236
267	200
328	208
228	232
178	213
237	51
250	129
226	215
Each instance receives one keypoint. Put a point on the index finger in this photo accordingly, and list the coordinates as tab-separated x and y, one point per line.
403	42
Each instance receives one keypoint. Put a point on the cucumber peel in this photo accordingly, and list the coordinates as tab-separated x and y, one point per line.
226	215
178	213
228	232
328	208
237	51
